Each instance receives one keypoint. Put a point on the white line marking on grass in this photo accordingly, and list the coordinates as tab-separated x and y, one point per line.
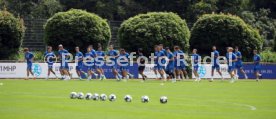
246	105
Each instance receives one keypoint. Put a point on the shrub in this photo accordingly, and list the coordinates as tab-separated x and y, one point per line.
223	31
268	56
76	28
146	30
11	35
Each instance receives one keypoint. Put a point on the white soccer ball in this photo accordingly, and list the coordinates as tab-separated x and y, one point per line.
128	98
80	95
95	96
103	97
145	99
73	95
163	99
88	96
112	97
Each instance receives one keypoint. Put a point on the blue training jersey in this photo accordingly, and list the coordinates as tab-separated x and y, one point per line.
93	52
28	57
161	56
257	59
239	56
124	58
79	57
216	55
230	57
100	57
89	58
60	52
112	54
49	57
155	59
179	55
171	62
195	58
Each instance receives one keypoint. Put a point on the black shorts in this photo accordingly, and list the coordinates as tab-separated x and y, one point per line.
141	68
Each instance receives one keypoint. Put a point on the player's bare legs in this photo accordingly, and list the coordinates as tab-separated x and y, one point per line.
185	74
161	72
257	74
66	74
30	72
181	74
116	74
196	75
51	71
101	73
232	74
61	73
212	74
90	73
242	71
125	74
155	72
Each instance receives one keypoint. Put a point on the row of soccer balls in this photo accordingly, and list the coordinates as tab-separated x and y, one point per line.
111	97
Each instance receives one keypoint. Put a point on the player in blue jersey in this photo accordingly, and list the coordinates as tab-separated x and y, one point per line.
141	63
239	64
79	63
88	62
162	48
123	62
195	64
49	57
161	62
112	61
99	62
257	66
170	64
155	67
63	56
94	55
231	61
180	63
215	63
29	57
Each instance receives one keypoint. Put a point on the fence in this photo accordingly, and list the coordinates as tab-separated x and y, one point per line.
34	33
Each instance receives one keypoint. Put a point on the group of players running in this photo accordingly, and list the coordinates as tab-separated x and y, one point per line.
165	62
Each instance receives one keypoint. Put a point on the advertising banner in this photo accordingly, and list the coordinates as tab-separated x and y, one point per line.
18	70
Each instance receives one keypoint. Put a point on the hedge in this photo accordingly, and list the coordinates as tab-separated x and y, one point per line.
11	35
223	31
146	30
76	28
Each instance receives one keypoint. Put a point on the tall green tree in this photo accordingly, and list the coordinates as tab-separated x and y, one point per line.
202	7
46	8
265	25
266	4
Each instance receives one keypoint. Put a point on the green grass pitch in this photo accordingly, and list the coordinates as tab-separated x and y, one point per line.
40	99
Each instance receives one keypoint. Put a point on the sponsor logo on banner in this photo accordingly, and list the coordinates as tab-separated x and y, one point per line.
37	70
201	71
204	71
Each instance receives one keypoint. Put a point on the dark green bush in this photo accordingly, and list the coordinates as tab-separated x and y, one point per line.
224	31
11	35
76	28
146	30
